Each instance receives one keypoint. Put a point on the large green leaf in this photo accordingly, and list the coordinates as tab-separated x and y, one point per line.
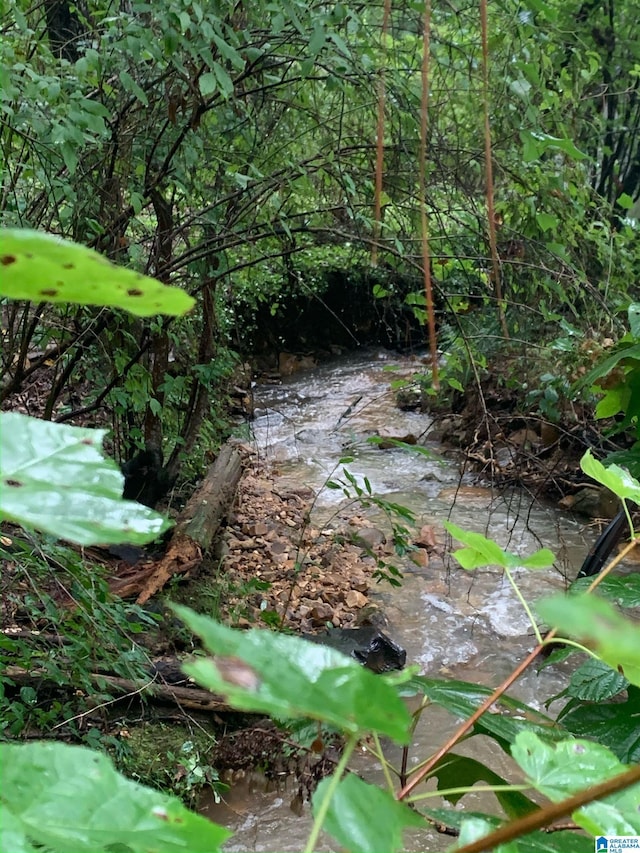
481	551
41	267
595	681
505	719
459	771
288	677
55	478
593	620
563	769
613	724
72	800
622	590
615	478
363	818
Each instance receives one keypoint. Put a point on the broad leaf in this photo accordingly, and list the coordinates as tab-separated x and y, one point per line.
71	799
363	818
563	769
503	721
481	551
459	771
613	724
55	478
619	481
44	268
596	681
288	678
604	367
591	619
624	590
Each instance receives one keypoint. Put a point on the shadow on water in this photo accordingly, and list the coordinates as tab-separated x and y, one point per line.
456	624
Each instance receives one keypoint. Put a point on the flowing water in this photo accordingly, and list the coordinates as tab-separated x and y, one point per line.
469	626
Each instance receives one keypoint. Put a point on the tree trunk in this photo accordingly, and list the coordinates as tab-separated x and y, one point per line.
199	522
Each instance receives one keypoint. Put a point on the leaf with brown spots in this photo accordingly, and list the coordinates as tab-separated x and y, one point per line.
39	266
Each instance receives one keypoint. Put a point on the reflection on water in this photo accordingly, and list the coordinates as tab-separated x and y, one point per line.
453	623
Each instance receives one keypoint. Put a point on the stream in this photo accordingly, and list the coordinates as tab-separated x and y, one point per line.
457	624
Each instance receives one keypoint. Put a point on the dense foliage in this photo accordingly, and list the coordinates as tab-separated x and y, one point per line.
231	151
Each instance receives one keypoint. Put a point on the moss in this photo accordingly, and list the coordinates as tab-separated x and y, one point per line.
172	758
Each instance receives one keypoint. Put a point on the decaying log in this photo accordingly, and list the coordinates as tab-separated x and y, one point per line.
198	523
185	697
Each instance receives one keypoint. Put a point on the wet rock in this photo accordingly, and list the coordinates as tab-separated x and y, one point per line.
593	503
388	442
289	363
368	645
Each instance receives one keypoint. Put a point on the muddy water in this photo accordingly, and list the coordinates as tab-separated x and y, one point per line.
453	623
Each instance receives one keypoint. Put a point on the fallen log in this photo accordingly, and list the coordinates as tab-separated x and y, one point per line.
198	523
193	698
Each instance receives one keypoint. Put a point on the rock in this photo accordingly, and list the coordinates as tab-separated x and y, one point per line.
373	649
259	528
369	538
288	363
592	502
355	599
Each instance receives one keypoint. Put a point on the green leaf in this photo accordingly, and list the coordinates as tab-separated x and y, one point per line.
229	52
363	818
595	681
625	201
623	354
71	799
70	157
288	678
207	84
504	721
561	770
41	267
225	83
318	39
481	551
614	401
460	771
624	591
130	85
546	221
546	142
613	724
55	478
596	622
12	835
619	481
